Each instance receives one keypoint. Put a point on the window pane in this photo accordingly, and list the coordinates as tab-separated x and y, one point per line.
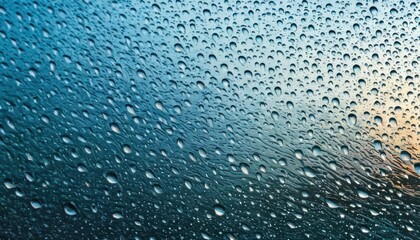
209	119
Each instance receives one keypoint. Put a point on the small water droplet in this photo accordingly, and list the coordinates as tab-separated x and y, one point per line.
298	154
150	174
244	168
219	210
114	127
81	167
188	183
36	204
417	168
405	156
117	215
180	143
373	10
159	105
290	105
309	172
70	209
316	151
8	183
362	194
331	203
352	119
141	74
112	178
157	188
127	149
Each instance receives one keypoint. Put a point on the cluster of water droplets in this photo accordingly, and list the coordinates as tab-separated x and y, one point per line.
209	120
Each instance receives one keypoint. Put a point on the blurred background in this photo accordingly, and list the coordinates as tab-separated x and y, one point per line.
209	120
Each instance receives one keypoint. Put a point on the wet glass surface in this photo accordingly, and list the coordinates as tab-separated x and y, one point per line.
209	120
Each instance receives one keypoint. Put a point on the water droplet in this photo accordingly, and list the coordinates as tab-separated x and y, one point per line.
331	203
258	39
373	10
316	151
187	184
159	105
275	115
70	209
309	172
202	153
298	154
141	74
244	168
362	194
364	229
417	168
127	149
8	183
157	188
345	150
290	105
36	204
356	68
117	215
405	156
219	210
114	127
150	174
130	109
112	178
378	145
81	168
352	119
180	143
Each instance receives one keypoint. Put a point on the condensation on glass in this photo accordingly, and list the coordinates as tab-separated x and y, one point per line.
209	119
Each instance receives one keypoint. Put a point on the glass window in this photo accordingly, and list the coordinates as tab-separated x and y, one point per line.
217	119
